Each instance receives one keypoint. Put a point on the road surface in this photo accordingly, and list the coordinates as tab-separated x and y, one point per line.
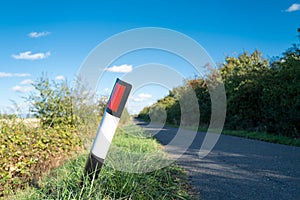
239	168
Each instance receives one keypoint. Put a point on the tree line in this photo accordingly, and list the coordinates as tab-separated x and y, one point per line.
262	94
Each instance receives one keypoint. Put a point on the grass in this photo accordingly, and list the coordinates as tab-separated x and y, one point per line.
256	135
279	139
169	182
262	136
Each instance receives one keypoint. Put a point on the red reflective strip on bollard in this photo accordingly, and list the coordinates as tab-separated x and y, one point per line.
116	97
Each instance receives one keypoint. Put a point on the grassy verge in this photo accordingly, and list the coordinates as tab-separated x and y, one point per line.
256	135
262	136
278	139
64	182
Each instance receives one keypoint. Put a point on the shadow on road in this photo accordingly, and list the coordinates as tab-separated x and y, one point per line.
237	168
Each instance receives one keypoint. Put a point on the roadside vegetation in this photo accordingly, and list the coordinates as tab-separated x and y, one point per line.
65	182
263	97
46	159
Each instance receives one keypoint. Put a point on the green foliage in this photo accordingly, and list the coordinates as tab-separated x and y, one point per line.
64	182
67	118
26	152
88	109
171	106
125	118
202	93
261	95
279	139
244	86
144	114
281	99
56	103
53	103
168	104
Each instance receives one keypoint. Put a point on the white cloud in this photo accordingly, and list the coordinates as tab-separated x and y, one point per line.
22	75
120	69
22	89
26	82
137	99
60	78
38	34
294	7
142	97
135	107
27	55
4	74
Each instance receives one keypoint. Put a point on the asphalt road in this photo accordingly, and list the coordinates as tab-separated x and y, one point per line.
239	168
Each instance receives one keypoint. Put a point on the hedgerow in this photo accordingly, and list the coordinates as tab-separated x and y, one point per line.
26	152
262	95
66	118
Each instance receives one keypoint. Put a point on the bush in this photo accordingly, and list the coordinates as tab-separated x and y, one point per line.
26	152
52	103
261	95
244	83
56	103
66	181
67	117
281	95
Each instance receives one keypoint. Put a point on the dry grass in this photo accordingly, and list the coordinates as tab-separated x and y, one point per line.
31	122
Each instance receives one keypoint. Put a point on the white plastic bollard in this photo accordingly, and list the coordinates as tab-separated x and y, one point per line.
107	128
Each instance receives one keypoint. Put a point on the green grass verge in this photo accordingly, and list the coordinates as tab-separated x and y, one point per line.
170	182
267	137
262	136
279	139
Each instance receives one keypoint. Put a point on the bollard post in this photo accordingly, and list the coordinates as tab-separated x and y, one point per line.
107	128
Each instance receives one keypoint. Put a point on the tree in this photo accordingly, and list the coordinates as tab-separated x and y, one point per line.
56	103
281	97
244	88
261	95
52	103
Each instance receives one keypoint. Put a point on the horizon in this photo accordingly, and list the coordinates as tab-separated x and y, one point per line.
57	37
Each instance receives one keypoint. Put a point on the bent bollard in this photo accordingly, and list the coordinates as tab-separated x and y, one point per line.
107	128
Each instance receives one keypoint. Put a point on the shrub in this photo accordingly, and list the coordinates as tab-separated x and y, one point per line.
26	152
67	116
261	95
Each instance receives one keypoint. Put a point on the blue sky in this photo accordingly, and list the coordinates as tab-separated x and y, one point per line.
55	37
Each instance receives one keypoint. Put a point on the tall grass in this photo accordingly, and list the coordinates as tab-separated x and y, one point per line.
66	182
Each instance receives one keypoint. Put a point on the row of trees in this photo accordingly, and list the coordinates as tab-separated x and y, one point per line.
262	94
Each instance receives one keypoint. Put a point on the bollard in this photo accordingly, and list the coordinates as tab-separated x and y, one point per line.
107	128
